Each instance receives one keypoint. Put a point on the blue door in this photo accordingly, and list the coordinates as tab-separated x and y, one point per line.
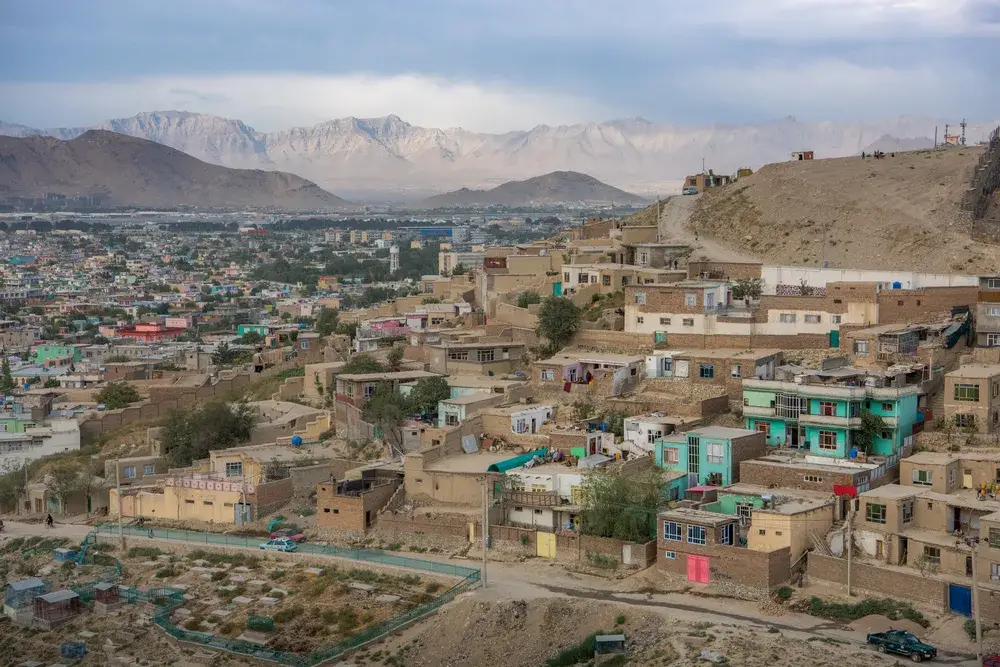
556	289
960	599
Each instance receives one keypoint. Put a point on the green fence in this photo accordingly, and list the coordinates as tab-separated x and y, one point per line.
363	555
168	599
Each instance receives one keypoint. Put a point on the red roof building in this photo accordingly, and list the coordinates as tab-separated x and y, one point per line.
151	332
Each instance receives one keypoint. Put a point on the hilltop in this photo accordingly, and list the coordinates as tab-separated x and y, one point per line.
558	187
137	172
900	212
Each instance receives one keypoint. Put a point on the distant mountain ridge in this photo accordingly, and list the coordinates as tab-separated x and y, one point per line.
129	171
388	156
557	187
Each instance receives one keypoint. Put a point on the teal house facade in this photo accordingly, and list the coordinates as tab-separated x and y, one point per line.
708	456
824	418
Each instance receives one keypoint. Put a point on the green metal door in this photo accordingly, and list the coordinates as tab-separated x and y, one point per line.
556	289
834	338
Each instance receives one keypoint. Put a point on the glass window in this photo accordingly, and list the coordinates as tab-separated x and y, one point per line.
486	355
129	472
835	319
696	534
369	389
714	453
744	510
763	427
993	340
965	420
967	392
828	440
148	469
812	319
688	321
690	299
787	318
640	320
994	571
672	456
548	374
706	371
234	469
665	321
640	297
907	508
861	347
727	534
735	371
670	555
671	531
932	555
875	513
995	537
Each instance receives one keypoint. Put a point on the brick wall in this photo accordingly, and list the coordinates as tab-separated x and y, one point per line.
758	569
274	494
401	525
884	581
727	270
350	513
905	306
761	473
823	304
618	340
749	342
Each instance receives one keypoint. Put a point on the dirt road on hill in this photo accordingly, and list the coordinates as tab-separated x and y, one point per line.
675	213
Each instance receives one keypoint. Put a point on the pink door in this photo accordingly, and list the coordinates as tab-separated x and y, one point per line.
697	569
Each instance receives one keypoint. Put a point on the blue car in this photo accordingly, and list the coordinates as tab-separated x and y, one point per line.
689	191
279	544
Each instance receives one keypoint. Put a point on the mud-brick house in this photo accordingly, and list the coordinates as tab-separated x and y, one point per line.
352	504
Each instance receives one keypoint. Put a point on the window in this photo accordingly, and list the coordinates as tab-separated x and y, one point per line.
828	408
670	555
672	456
188	501
735	371
996	389
696	535
518	509
639	320
350	389
992	340
369	389
336	511
129	472
965	421
727	534
584	278
861	347
812	319
922	477
458	355
690	299
207	502
907	511
967	392
951	478
744	510
778	533
995	537
828	440
451	419
887	407
688	321
838	300
640	298
761	531
548	375
304	344
787	318
606	280
326	510
665	321
671	531
835	319
875	513
714	453
993	311
994	570
706	371
234	469
993	283
148	469
886	435
763	427
538	511
486	355
566	277
816	479
932	555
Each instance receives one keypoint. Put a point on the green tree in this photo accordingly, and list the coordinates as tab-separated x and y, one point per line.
327	321
394	360
187	436
427	393
250	338
6	379
224	355
65	478
748	288
622	507
430	299
459	270
558	320
51	383
189	336
363	363
386	410
525	299
871	428
117	395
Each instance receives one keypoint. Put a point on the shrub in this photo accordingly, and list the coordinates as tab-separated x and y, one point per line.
218	576
620	620
143	552
276	574
288	614
784	593
524	540
841	611
571	655
167	572
433	587
601	561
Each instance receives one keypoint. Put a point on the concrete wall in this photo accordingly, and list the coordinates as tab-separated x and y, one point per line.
816	277
350	513
883	581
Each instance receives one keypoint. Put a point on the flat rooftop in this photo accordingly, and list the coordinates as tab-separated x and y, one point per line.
548	469
478	462
470	399
603	358
789	501
518	407
376	377
893	491
976	371
482	382
700	517
799	463
719	432
474	345
933	458
724	353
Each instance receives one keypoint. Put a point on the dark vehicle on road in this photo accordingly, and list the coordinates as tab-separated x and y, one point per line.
293	534
902	643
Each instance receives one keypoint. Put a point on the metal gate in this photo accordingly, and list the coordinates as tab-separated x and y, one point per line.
960	599
697	569
546	544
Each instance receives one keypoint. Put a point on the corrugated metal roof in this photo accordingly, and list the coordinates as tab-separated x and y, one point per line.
27	584
58	596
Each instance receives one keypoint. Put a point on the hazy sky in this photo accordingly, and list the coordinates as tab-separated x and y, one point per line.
496	65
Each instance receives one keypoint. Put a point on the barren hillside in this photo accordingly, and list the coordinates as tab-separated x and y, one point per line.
900	212
136	172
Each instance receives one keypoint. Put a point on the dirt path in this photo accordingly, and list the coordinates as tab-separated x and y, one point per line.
536	579
674	215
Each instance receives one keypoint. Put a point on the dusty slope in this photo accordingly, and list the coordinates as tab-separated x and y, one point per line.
558	187
901	212
137	172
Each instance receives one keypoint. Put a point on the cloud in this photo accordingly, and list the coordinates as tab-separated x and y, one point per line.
274	101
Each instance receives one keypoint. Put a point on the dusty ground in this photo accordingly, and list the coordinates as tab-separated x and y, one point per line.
900	212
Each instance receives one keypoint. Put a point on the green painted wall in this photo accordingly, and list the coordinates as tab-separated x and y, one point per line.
727	502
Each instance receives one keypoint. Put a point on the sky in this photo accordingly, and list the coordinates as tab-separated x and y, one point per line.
499	65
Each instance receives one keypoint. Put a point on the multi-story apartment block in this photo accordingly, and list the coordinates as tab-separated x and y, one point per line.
805	413
707	456
988	312
972	397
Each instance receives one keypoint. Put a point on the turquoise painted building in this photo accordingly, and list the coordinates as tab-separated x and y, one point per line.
44	353
706	456
823	418
261	329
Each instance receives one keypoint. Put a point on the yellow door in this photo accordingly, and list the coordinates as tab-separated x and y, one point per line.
472	533
546	544
967	479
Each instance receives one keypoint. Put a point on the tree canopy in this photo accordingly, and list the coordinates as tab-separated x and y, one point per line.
394	360
363	363
117	395
622	507
386	409
427	393
525	299
558	320
872	426
190	435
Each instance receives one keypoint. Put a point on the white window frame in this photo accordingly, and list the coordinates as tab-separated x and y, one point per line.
735	371
234	468
923	477
673	460
548	375
812	318
696	535
149	469
827	447
993	311
787	318
993	283
715	452
672	555
640	297
835	319
128	472
691	299
672	535
861	347
727	534
993	340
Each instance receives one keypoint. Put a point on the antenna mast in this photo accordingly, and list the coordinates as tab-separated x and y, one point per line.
963	124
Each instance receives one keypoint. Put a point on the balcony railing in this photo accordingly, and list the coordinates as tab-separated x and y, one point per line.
757	411
533	498
829	420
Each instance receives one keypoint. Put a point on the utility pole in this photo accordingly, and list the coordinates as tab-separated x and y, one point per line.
935	136
118	492
849	545
973	544
486	527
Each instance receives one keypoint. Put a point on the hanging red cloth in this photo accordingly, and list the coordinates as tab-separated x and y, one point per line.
566	386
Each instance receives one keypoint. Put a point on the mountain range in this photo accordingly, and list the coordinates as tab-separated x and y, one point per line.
129	171
388	158
558	187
